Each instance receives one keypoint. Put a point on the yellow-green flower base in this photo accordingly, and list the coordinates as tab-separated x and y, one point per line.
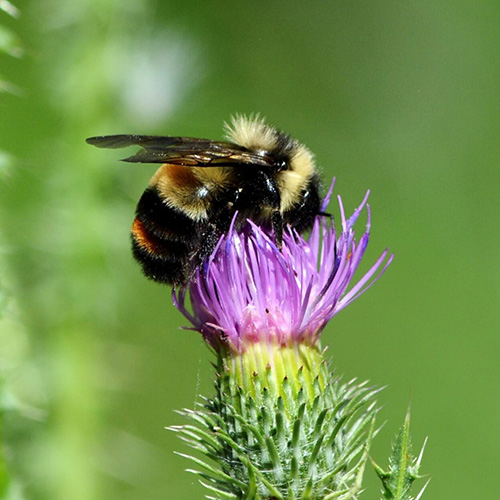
281	427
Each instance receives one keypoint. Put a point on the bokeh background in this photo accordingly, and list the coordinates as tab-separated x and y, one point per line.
399	97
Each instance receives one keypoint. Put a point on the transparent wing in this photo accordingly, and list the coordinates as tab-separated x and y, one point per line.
186	151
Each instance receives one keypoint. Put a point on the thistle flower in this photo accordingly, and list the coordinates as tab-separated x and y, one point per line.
250	291
280	426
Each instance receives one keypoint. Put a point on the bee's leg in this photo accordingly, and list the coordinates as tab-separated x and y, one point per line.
207	239
270	194
277	223
330	216
325	214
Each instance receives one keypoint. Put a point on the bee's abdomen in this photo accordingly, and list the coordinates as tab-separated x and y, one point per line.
162	239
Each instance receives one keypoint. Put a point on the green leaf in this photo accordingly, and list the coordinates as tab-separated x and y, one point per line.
403	467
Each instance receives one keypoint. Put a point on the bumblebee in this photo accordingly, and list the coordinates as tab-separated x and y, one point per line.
261	173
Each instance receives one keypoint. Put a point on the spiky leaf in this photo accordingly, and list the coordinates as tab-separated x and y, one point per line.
403	467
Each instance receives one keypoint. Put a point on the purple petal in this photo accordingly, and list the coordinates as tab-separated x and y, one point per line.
251	291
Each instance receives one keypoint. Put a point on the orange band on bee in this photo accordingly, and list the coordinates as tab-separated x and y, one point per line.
140	235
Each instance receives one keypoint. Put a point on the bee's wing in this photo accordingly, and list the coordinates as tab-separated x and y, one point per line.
186	151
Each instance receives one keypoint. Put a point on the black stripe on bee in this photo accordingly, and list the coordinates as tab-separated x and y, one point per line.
162	238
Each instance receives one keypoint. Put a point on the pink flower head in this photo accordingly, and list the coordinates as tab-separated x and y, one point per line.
251	291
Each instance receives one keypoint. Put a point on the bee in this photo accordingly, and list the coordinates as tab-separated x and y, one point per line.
261	173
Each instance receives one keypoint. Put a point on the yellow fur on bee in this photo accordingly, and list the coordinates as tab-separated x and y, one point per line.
190	189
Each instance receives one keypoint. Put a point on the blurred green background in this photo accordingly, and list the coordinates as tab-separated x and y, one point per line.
399	97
